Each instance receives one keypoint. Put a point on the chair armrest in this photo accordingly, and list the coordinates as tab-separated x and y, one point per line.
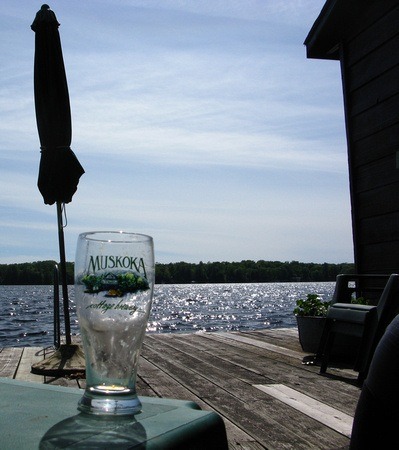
352	306
347	312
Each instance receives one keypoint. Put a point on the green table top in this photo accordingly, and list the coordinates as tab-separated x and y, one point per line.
34	415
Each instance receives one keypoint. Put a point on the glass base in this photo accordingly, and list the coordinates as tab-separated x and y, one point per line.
109	401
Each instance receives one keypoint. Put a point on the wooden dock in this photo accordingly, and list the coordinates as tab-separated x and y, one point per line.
255	380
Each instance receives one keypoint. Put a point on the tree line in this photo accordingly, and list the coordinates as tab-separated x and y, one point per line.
42	272
249	272
39	272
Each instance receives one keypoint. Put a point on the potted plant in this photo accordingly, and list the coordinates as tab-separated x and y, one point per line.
311	317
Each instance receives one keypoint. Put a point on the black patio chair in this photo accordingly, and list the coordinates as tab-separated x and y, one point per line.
365	322
375	424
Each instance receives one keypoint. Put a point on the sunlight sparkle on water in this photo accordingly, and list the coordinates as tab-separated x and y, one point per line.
26	314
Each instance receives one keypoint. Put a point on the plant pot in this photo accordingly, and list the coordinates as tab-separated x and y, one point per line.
310	329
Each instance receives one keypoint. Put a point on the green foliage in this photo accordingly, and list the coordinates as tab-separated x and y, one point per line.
40	272
115	284
360	301
313	305
93	283
246	271
131	282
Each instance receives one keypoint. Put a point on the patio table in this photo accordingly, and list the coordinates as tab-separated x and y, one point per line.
34	415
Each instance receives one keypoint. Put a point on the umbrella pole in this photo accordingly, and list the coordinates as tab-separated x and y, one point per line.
63	274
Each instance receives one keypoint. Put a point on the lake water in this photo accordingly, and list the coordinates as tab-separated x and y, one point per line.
26	312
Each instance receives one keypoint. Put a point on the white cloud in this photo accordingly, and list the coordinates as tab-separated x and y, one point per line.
201	123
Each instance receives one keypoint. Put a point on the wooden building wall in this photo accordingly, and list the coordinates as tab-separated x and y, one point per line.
366	42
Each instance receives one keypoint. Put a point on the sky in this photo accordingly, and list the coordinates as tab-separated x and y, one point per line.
199	122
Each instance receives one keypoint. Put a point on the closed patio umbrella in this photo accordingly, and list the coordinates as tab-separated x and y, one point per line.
59	170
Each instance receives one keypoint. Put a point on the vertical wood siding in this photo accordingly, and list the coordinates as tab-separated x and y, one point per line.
371	88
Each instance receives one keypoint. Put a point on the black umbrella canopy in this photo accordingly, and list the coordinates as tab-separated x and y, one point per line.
59	170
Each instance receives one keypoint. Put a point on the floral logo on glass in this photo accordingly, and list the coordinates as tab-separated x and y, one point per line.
115	284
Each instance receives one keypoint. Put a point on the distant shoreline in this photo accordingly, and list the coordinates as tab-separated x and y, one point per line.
247	271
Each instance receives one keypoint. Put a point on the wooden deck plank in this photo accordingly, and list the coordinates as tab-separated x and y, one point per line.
164	385
261	344
224	402
217	357
242	346
9	360
283	337
223	371
30	355
294	374
217	385
331	417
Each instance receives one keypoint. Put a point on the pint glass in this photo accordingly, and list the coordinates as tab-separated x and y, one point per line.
114	282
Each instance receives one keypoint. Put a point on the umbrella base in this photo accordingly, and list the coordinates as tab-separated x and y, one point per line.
67	360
